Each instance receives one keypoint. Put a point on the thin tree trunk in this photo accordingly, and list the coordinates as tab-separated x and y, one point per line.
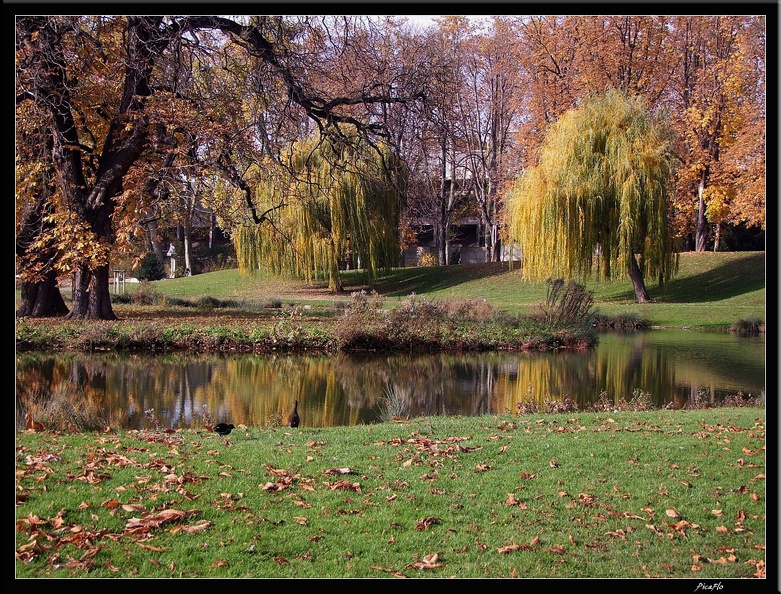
717	239
702	222
641	295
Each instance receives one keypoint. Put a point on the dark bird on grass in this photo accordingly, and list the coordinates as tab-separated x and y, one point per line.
224	429
294	420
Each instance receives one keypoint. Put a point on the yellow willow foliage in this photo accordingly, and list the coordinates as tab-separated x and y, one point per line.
599	194
338	200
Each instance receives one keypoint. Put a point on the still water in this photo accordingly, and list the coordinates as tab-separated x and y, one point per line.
672	367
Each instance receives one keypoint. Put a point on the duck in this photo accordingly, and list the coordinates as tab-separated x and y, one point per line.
293	420
224	429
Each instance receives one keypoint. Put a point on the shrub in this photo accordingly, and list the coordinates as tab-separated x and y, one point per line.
150	268
429	259
566	305
146	294
394	403
749	327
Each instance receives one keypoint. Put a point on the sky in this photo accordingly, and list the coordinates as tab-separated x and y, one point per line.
424	20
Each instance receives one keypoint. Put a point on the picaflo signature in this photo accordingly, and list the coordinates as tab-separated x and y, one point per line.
712	587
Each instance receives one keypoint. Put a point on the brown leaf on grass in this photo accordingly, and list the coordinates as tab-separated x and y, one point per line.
482	467
503	449
346	485
281	484
553	463
520	547
653	528
426	523
428	562
151	548
672	513
527	475
393	572
156	520
760	572
586	499
199	527
281	561
220	563
339	471
300	520
617	533
276	471
511	500
558	549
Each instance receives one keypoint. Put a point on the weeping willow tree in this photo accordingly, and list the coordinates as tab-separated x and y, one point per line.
598	197
343	203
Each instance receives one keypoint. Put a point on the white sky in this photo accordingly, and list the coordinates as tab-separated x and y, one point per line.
424	20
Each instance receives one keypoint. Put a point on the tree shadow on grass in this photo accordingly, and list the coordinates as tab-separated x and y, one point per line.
731	279
435	278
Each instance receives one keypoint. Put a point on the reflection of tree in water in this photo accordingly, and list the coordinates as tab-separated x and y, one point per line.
341	389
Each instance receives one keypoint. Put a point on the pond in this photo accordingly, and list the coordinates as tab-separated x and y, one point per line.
669	368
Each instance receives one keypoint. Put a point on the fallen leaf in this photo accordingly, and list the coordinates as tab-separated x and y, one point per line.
426	523
672	513
339	471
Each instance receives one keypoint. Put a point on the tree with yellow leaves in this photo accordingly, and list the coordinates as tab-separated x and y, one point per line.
599	196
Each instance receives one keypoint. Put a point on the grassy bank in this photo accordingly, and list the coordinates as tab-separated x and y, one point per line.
673	494
710	291
470	307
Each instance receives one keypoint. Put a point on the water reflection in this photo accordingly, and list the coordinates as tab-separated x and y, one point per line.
671	366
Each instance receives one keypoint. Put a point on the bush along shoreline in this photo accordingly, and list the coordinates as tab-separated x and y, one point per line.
564	321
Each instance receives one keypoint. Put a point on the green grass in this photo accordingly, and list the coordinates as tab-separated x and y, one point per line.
673	494
711	290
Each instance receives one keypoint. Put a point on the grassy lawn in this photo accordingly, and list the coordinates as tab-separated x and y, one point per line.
711	290
631	494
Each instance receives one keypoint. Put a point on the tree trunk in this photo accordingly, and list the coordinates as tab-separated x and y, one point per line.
187	241
717	239
91	295
641	295
42	299
155	243
702	222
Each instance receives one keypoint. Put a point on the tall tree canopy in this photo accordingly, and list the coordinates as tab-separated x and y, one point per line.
599	196
337	205
107	88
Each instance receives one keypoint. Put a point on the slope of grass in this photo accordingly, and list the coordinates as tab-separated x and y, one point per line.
711	290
